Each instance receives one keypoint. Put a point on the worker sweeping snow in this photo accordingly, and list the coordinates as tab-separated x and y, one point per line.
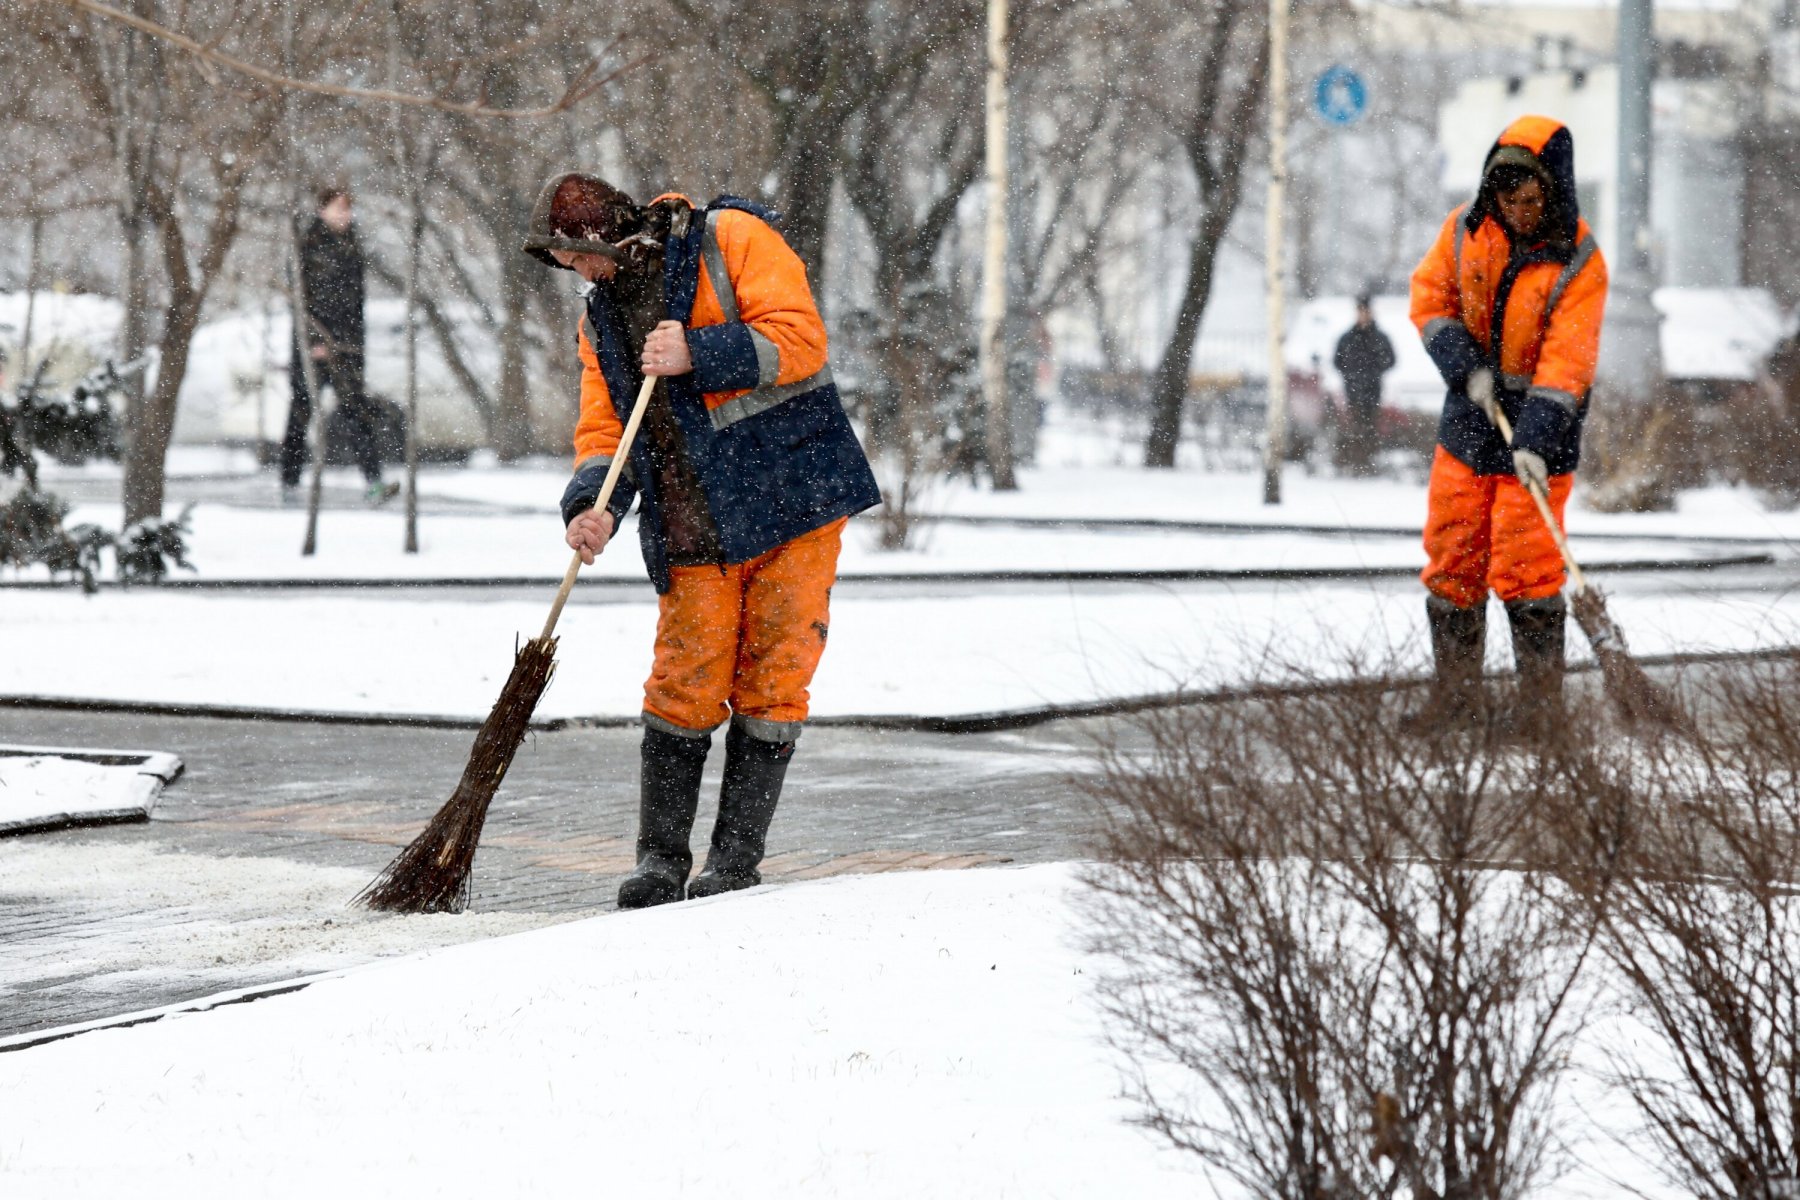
1509	301
746	473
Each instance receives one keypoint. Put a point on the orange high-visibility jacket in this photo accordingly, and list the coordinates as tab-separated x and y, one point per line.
776	349
1530	311
761	423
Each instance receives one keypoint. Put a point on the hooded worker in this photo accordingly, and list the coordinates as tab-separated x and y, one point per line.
1509	301
746	471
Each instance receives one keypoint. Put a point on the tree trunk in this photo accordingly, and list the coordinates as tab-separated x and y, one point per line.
134	333
1169	384
513	435
145	460
805	199
31	291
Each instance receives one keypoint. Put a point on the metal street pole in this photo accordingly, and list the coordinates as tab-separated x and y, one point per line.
1275	448
1632	347
993	267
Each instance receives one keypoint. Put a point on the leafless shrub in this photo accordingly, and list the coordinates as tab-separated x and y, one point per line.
1760	437
1636	455
1334	974
1702	921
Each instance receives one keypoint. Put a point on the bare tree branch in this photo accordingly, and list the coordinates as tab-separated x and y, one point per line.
585	82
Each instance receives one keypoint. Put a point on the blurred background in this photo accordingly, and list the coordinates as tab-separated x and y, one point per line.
160	157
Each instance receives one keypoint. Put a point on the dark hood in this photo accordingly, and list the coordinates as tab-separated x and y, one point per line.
1544	146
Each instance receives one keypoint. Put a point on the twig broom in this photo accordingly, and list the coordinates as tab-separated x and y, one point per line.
432	874
1638	700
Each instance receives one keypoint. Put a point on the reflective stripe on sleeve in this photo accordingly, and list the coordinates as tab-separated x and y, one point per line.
1437	325
768	359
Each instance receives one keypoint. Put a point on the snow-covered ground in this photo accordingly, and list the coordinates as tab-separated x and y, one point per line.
924	648
934	655
902	1036
231	543
43	787
929	1034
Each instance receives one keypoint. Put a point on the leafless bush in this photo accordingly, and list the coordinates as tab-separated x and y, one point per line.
1761	437
1703	925
1636	454
1334	976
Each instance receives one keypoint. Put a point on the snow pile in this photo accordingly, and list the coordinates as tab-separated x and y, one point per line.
902	1035
42	789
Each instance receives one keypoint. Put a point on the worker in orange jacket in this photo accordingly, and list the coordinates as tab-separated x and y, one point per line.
1509	301
746	470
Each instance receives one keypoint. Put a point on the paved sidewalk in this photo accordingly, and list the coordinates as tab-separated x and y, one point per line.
243	876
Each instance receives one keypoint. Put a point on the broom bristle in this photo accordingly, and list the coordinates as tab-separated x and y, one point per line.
1639	701
432	874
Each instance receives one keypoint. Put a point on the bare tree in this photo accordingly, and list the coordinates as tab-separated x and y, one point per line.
812	67
1204	91
185	150
910	157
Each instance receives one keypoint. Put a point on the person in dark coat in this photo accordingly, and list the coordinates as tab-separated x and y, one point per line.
331	274
1364	355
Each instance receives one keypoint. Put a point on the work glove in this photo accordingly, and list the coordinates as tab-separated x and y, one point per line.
1542	425
1480	389
1531	469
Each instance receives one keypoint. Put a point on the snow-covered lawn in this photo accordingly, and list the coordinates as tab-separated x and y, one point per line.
911	1035
233	543
919	1035
44	787
919	649
967	653
237	543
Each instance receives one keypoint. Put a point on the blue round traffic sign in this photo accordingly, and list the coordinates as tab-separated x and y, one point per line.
1340	97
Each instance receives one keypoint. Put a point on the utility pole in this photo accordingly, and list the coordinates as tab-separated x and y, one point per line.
409	152
1275	448
993	266
1633	348
297	291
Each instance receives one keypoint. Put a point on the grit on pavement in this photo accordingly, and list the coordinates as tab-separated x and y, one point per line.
244	874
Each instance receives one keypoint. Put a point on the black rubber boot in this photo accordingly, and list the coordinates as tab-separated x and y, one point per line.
1539	630
753	774
668	797
1458	640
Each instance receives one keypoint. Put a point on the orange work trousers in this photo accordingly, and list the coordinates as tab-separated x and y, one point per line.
1485	531
744	639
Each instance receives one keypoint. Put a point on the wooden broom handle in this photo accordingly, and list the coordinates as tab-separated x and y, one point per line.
606	490
1543	506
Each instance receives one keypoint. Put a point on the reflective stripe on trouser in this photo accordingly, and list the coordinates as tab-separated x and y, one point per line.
745	639
1485	531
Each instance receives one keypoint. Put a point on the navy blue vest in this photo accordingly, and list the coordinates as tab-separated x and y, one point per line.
768	477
